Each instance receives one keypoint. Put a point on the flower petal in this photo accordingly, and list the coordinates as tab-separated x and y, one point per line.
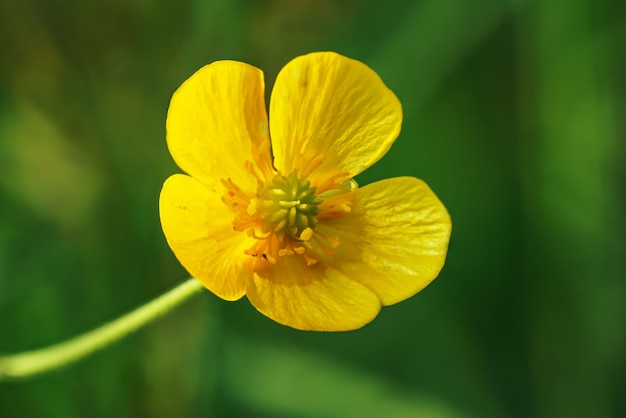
334	106
395	239
311	298
199	231
217	120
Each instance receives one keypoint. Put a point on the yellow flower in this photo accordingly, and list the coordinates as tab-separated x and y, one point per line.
287	226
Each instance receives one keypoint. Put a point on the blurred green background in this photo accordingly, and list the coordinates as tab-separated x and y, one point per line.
514	113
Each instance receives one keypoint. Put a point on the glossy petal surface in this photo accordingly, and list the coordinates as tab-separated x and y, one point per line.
327	104
331	118
395	240
199	230
216	119
311	298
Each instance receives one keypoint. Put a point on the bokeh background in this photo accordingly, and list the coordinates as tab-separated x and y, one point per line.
514	113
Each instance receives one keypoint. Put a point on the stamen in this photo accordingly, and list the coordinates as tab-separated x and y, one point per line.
312	160
282	215
306	234
334	182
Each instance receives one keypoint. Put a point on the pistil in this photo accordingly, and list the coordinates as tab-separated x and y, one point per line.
282	215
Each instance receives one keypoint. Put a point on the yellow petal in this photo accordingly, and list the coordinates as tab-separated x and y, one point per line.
335	106
216	119
395	239
199	230
311	298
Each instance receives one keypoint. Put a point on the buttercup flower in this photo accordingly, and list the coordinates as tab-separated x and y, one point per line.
282	221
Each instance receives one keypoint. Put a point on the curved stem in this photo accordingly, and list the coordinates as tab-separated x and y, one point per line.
33	362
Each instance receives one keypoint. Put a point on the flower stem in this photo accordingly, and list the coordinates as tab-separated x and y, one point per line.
29	363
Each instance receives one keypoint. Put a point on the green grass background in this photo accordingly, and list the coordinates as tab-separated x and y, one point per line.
514	113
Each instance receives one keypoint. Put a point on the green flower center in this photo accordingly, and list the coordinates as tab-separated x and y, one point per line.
288	206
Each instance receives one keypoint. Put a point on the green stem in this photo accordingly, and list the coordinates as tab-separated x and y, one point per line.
33	362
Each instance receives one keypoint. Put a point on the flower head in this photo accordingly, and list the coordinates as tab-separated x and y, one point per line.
282	221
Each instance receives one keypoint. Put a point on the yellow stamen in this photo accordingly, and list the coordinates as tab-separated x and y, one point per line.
282	214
